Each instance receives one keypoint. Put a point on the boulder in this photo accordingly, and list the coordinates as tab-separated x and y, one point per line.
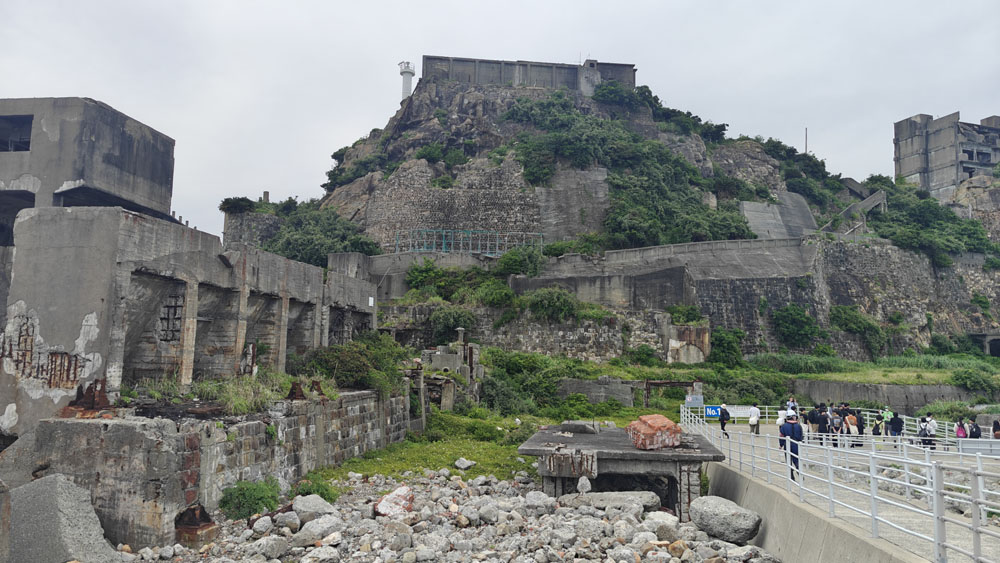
464	464
325	554
722	518
315	530
52	519
311	507
398	502
617	499
271	547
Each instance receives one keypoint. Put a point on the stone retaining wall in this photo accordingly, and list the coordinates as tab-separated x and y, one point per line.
143	472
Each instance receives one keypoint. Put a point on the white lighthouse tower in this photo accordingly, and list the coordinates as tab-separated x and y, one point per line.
406	71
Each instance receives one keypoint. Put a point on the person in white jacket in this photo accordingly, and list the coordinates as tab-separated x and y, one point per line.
754	419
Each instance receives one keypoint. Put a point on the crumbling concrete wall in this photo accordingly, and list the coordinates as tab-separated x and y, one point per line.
84	152
102	292
6	263
142	472
253	229
599	390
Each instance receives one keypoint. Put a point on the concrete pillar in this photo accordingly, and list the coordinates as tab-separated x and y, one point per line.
324	326
189	331
448	395
282	335
422	391
241	325
116	346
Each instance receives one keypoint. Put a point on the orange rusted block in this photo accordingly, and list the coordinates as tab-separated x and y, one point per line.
654	431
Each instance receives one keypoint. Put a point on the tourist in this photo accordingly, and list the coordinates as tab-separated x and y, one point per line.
850	426
878	429
960	429
791	430
813	418
823	424
836	428
924	432
723	419
932	430
791	405
861	423
996	429
754	419
974	430
895	426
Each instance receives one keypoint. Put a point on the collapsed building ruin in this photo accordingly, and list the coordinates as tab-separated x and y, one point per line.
938	154
100	282
103	289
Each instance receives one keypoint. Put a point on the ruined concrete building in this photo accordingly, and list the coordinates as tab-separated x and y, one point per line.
98	282
938	154
527	73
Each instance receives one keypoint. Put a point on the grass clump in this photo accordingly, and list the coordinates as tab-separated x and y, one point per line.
246	498
244	394
313	483
370	361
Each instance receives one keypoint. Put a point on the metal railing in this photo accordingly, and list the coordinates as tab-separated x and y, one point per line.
907	495
490	243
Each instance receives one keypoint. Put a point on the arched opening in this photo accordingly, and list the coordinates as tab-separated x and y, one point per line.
994	347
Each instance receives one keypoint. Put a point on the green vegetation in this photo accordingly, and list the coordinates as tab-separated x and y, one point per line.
586	244
444	182
948	410
244	394
656	195
916	221
307	233
726	347
314	484
683	122
981	301
370	361
850	319
244	499
431	153
523	260
796	327
684	314
445	320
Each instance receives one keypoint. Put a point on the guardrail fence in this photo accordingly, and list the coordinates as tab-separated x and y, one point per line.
937	503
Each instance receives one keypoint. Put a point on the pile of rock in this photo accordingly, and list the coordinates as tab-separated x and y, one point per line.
437	516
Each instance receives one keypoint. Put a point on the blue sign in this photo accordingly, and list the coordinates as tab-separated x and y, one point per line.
712	412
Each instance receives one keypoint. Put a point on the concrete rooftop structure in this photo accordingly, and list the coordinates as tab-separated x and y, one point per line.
938	154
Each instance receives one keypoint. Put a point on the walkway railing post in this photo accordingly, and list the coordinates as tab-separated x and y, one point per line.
981	482
739	438
976	493
829	479
873	482
937	487
767	455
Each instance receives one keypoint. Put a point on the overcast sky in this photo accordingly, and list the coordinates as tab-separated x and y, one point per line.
258	95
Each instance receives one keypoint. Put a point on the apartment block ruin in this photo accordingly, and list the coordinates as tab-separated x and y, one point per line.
99	282
528	73
939	154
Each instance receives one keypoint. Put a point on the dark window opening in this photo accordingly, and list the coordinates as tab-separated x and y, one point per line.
969	172
11	202
15	133
968	154
994	347
983	157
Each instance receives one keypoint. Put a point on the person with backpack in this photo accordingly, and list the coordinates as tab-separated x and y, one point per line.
861	422
886	416
877	428
996	429
791	430
923	432
974	430
932	430
960	429
723	419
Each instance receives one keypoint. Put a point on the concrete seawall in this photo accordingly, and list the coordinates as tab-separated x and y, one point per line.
906	399
797	532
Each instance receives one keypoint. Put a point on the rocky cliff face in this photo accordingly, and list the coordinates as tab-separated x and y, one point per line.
489	192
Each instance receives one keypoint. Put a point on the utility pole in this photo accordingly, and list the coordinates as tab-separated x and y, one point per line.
807	140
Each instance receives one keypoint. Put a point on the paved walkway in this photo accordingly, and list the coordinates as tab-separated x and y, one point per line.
852	487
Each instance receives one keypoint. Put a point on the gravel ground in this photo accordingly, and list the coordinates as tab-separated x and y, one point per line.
438	516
